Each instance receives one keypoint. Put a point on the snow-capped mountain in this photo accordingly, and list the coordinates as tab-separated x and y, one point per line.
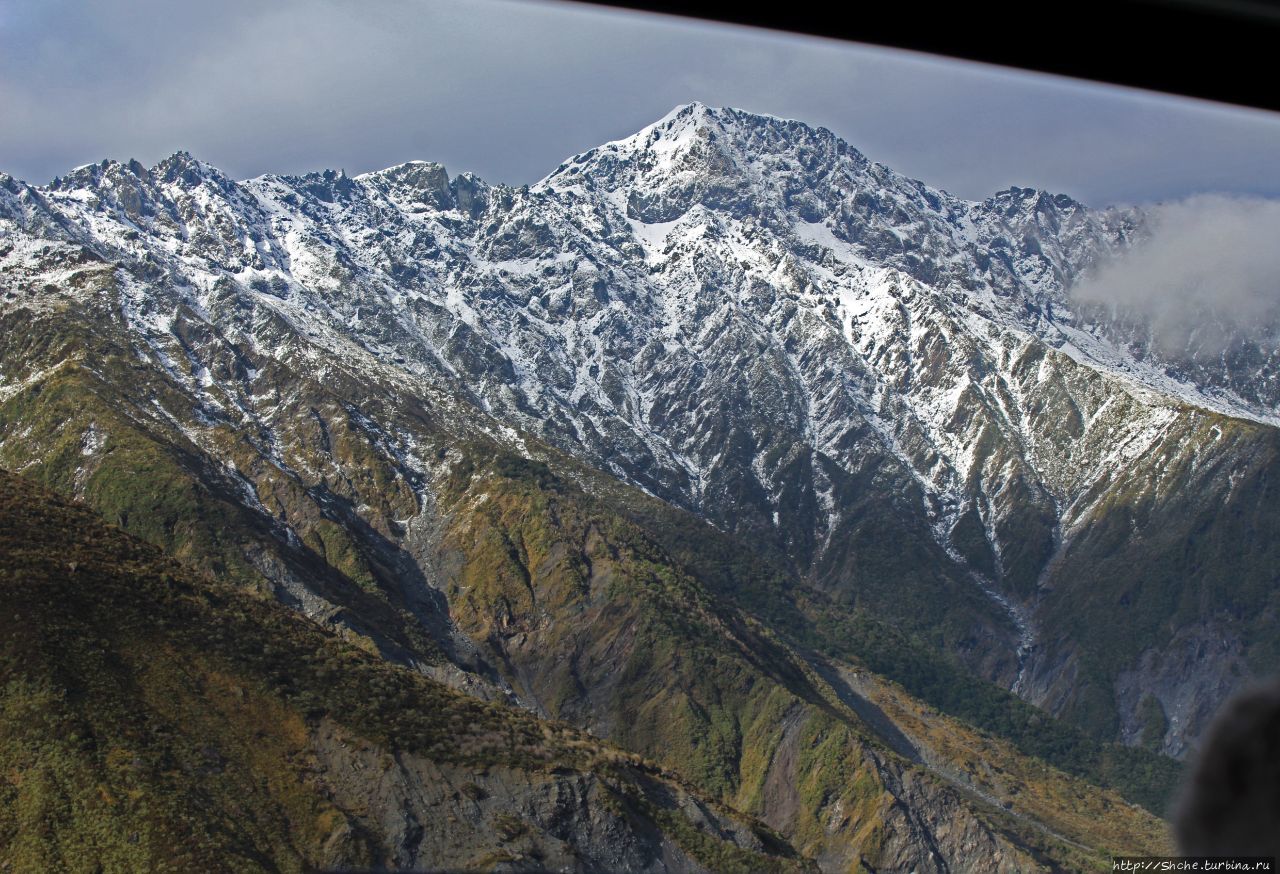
883	388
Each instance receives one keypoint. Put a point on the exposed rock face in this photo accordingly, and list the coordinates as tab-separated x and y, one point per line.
1200	667
431	816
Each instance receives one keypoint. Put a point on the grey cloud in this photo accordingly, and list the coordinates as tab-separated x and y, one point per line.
509	89
1210	266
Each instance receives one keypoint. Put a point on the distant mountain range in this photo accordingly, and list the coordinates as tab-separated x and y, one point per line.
810	486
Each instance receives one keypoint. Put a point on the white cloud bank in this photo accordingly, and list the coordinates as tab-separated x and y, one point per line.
1209	267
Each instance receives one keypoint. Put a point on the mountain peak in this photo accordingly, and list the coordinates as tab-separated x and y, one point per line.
402	170
697	114
727	159
84	176
676	127
698	138
694	108
692	140
183	169
689	120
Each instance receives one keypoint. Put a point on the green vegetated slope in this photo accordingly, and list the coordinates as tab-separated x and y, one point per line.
119	432
590	617
881	558
155	719
813	620
1156	566
1169	576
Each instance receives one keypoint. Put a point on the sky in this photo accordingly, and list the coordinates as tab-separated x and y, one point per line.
508	89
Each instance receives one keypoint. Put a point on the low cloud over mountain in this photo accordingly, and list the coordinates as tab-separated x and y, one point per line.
1209	268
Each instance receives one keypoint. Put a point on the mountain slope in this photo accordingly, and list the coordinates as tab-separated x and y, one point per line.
155	719
883	393
740	314
172	693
